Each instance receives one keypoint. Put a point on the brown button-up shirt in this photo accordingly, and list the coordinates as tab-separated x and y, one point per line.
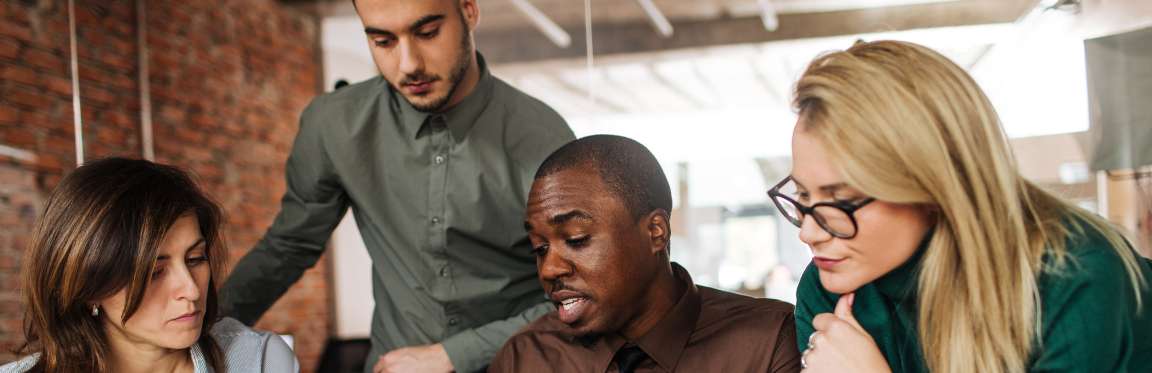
708	330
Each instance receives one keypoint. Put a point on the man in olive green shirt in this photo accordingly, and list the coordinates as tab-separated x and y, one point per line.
435	157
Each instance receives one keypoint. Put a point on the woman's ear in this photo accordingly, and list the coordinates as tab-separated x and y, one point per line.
659	230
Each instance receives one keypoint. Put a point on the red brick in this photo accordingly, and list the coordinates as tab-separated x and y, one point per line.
28	98
60	144
21	74
9	115
42	119
22	139
116	81
9	49
16	31
58	85
45	60
96	95
51	163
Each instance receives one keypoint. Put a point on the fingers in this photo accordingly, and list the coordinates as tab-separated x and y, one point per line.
844	310
824	321
379	367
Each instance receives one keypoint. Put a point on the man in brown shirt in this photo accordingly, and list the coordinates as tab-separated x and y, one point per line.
598	220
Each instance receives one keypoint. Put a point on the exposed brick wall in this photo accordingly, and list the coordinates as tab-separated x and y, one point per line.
228	81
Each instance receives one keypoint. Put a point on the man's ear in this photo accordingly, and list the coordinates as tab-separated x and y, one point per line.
659	230
471	11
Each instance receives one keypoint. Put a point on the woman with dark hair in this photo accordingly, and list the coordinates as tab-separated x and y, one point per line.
121	276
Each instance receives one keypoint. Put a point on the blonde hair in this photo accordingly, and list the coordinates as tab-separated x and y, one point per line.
886	103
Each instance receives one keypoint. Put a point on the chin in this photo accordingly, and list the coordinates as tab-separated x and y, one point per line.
583	329
177	341
428	102
839	283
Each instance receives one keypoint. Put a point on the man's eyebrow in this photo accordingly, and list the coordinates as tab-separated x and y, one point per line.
415	25
375	31
560	219
424	21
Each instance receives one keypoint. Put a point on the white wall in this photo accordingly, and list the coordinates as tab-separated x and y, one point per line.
345	56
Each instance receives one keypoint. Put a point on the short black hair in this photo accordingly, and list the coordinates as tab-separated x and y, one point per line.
627	167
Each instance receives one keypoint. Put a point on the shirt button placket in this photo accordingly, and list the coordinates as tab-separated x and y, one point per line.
439	201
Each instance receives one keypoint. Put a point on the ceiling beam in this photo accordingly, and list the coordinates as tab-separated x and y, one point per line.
523	45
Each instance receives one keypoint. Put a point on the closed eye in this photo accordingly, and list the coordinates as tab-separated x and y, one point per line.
428	34
539	250
195	261
577	242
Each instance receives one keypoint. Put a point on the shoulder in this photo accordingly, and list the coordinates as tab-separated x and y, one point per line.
548	326
343	105
240	343
231	330
1090	260
527	113
20	366
1091	279
735	313
237	339
543	336
351	96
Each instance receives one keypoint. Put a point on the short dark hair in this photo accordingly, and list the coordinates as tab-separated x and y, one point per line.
628	168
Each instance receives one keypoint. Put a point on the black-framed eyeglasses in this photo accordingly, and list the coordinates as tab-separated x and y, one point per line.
836	217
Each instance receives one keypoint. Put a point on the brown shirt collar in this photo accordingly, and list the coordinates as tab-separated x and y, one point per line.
665	342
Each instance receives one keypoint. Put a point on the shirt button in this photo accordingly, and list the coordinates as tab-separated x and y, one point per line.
436	220
439	159
453	322
444	271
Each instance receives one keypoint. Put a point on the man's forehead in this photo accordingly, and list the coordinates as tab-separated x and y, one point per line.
571	183
398	15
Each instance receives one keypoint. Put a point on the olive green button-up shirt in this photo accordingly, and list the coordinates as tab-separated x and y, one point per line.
439	199
1090	322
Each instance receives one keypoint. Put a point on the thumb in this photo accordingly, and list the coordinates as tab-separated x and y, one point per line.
844	310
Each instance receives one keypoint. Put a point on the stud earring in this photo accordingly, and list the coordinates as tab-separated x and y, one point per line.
95	310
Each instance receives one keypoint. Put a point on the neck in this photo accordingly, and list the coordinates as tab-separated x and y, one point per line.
467	84
142	357
665	291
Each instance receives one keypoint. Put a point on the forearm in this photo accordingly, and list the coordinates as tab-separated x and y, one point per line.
473	349
258	280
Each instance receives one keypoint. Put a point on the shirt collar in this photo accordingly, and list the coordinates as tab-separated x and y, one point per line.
666	341
199	362
460	118
901	283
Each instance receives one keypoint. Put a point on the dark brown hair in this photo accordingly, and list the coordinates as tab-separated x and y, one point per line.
100	233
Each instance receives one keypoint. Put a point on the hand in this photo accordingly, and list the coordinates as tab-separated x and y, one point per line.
840	344
430	358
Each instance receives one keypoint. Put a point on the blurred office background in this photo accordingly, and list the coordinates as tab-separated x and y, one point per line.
216	86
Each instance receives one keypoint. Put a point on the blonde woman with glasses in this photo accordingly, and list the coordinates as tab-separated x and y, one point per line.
931	251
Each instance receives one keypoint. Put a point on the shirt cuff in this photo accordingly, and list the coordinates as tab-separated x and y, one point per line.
468	351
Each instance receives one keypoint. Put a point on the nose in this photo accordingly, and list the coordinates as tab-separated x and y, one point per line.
553	266
811	232
186	287
411	60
